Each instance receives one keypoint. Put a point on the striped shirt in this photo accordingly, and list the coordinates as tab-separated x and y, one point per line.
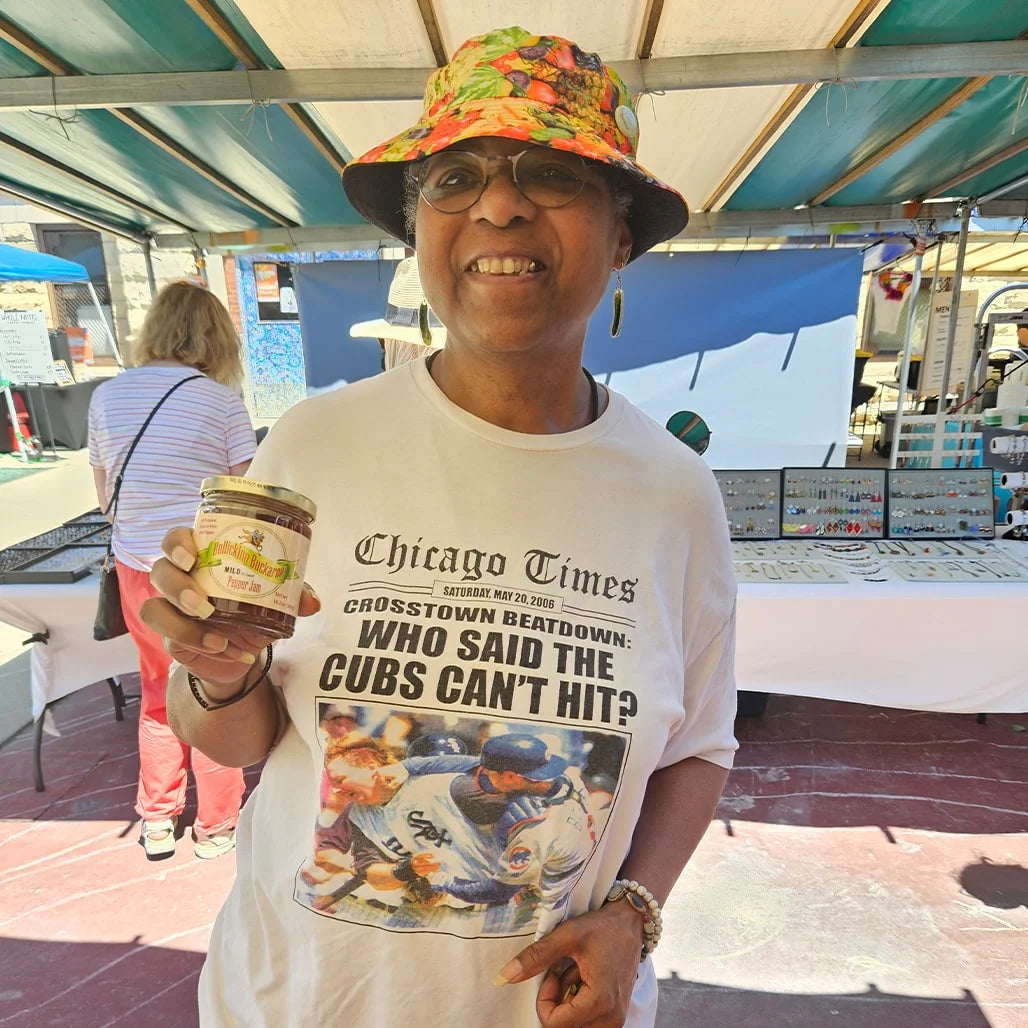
203	429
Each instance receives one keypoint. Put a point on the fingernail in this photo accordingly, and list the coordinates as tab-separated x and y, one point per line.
182	558
195	604
244	656
214	643
509	972
310	589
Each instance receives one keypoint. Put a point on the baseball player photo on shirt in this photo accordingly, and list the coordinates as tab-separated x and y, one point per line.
464	825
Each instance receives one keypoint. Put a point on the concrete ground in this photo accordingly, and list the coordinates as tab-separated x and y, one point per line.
867	868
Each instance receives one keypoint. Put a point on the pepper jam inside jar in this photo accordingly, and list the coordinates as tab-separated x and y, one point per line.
252	542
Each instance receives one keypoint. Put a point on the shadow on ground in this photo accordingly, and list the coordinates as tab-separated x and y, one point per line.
692	1003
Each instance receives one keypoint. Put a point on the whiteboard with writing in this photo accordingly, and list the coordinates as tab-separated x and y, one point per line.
25	357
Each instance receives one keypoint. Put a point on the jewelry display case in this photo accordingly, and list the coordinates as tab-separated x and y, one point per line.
941	503
833	503
753	503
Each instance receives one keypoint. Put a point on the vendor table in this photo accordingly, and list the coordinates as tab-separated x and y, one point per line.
942	646
947	646
65	657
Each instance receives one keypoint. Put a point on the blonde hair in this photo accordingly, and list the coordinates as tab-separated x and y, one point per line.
189	324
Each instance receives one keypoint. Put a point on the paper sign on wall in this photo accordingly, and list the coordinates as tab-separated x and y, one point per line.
25	357
930	381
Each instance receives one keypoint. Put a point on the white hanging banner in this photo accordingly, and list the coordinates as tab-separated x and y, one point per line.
25	357
930	382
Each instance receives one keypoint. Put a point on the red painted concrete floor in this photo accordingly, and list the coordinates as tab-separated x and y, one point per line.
868	867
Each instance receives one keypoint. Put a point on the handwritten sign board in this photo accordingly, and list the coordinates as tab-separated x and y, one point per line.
935	348
25	357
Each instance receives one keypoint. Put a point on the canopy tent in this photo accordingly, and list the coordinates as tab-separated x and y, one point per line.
225	123
17	265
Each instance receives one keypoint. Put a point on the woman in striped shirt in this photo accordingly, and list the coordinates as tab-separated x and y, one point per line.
203	429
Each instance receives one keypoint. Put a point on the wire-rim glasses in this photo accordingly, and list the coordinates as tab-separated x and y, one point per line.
454	180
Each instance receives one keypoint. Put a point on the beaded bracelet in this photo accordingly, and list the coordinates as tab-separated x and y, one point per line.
645	906
198	694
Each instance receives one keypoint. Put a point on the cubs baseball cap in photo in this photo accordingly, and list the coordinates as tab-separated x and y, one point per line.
542	90
525	755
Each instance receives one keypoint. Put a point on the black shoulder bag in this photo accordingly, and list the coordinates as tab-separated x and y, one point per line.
110	622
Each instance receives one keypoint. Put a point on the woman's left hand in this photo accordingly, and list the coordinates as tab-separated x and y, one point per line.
596	989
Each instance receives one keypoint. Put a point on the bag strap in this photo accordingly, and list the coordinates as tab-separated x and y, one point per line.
139	435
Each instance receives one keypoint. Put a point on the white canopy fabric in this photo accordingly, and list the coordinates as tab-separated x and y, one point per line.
721	122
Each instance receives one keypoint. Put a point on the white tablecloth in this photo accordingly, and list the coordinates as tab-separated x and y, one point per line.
71	659
919	645
923	646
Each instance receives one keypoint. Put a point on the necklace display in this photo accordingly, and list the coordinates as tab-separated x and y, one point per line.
594	390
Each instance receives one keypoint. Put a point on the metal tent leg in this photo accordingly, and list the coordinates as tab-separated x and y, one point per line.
37	751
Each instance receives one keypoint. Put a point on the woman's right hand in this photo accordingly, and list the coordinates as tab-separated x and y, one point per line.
215	656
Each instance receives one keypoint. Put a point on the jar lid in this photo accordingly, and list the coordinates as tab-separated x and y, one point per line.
234	484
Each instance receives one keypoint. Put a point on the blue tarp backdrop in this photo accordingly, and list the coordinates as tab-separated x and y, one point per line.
760	344
332	296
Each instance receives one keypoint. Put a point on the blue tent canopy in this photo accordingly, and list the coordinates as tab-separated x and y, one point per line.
17	265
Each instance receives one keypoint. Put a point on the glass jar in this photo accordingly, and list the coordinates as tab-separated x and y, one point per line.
252	543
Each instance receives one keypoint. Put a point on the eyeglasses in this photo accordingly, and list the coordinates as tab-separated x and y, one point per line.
690	428
453	181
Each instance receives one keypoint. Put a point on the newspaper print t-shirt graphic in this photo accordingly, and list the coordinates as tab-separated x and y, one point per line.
473	739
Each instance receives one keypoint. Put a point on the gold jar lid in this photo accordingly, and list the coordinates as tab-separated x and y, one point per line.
248	487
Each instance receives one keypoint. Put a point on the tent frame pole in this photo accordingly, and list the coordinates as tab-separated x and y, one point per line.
920	246
942	407
107	327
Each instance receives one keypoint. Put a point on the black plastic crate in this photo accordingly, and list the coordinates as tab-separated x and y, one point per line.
102	536
92	517
12	558
63	535
58	567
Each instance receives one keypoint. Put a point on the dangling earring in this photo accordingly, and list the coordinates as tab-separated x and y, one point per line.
619	300
426	331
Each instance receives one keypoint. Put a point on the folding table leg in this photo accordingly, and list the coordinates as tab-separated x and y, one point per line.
37	750
119	699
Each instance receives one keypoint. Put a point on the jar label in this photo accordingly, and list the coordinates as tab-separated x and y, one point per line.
249	560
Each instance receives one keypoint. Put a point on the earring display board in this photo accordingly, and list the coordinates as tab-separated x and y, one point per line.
941	503
753	502
833	503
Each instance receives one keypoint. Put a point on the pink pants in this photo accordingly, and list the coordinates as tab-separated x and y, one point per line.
163	759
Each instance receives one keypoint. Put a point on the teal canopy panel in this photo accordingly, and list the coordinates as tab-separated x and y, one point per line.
845	123
258	149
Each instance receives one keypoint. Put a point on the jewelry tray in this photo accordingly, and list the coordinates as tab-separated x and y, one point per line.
753	502
833	503
941	503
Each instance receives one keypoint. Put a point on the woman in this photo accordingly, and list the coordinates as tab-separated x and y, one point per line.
202	429
511	552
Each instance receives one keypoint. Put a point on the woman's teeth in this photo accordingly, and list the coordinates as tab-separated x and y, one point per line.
504	266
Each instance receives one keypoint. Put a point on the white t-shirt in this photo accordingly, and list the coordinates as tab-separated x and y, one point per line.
551	605
203	429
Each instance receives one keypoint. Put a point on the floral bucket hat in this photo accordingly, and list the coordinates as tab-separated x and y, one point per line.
539	89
